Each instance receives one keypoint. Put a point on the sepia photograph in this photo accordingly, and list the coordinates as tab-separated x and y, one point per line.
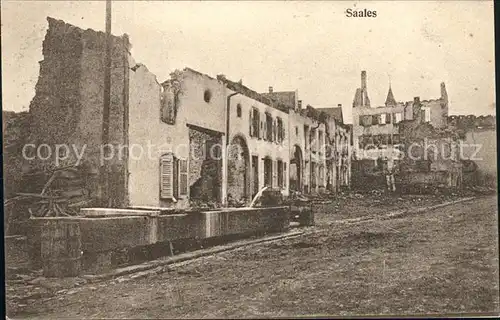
249	159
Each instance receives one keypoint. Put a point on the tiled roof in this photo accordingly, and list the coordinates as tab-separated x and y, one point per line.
285	97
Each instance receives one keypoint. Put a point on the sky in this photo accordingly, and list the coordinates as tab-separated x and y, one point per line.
309	46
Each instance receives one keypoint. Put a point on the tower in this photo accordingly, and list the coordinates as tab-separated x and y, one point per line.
361	96
390	101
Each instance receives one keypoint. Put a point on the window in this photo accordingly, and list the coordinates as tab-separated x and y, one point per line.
269	127
388	118
426	114
296	130
395	139
365	121
183	178
281	130
376	119
312	140
268	172
167	176
280	174
207	96
238	110
397	117
385	139
254	123
382	118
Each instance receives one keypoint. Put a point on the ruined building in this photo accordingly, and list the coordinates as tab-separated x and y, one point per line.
376	129
190	141
387	131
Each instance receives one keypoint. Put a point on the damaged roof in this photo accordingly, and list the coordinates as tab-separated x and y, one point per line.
335	113
239	87
285	97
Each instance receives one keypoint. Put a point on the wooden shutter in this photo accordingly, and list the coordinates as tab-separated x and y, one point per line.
275	137
388	118
251	123
263	130
285	176
183	178
167	176
283	132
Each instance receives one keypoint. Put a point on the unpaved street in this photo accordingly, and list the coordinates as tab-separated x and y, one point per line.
442	261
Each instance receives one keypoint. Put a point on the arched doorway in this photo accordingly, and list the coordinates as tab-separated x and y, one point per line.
238	172
296	169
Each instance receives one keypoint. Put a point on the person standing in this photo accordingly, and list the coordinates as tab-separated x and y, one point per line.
389	171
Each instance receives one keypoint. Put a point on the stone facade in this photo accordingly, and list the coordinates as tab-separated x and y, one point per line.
67	107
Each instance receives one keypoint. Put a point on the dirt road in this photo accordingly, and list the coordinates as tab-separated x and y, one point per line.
442	261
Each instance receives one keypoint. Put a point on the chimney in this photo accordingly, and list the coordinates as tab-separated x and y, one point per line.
299	104
416	100
444	94
270	89
339	105
363	80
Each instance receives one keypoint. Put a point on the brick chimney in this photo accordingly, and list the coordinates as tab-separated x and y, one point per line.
363	80
270	89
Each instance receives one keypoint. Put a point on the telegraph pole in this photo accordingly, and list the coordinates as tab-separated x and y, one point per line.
106	108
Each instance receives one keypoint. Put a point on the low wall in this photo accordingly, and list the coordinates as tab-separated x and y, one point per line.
15	250
98	232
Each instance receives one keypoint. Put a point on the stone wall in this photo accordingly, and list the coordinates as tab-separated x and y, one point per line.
67	107
205	170
481	148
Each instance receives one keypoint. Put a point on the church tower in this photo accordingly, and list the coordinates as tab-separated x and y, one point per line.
390	101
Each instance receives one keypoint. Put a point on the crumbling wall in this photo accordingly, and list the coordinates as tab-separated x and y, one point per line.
237	171
205	170
480	147
67	107
429	150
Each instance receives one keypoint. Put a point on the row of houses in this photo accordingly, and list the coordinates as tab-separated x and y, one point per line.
209	139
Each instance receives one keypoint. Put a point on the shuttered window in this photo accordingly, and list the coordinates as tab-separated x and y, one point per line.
167	176
255	124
